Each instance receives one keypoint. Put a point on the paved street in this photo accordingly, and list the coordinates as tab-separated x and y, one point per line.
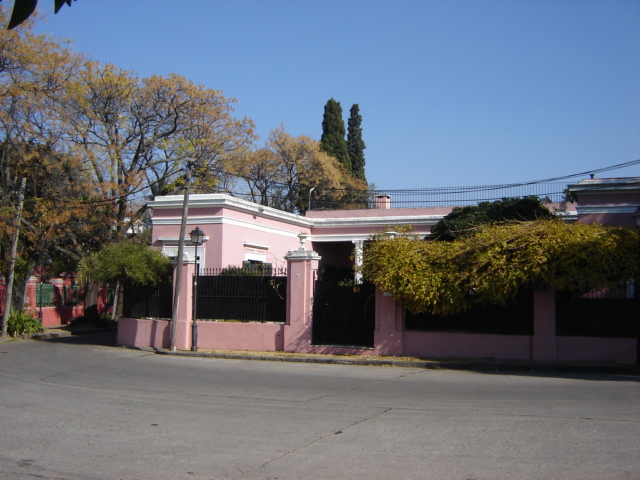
73	409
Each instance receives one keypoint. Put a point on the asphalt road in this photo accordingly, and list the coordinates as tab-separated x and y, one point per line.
73	409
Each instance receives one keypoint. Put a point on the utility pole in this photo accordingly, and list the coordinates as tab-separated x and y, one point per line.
178	275
12	262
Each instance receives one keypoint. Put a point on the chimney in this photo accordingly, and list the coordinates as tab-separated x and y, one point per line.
383	202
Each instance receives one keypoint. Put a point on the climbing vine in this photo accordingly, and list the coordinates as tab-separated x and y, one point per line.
498	261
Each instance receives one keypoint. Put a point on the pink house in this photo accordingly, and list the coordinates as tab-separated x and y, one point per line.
608	201
321	242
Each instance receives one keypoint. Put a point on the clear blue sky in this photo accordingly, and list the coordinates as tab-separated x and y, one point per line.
452	92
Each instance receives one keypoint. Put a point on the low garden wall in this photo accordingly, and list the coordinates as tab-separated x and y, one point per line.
390	336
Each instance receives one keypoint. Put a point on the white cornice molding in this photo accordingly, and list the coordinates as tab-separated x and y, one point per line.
606	209
598	186
221	200
348	237
428	220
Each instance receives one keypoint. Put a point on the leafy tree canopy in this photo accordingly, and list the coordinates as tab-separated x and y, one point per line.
281	173
464	220
496	262
126	262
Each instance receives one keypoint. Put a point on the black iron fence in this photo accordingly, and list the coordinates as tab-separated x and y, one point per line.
515	318
433	197
242	295
611	312
148	302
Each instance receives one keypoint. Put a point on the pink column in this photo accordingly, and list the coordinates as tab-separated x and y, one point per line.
183	332
388	333
30	297
301	266
543	343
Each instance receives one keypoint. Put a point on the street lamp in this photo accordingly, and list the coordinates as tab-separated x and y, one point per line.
43	263
310	192
636	219
197	238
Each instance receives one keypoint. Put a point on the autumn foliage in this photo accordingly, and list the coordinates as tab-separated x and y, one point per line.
499	261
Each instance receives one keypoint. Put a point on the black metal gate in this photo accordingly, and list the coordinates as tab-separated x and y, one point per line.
250	298
343	315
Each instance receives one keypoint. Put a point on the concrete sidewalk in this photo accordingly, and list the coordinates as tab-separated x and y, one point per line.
479	365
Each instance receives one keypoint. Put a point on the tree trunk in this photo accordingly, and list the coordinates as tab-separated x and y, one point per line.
91	300
116	310
19	294
8	288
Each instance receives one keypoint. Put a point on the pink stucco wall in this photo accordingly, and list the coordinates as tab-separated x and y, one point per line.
465	345
143	333
596	349
608	201
230	229
261	337
59	314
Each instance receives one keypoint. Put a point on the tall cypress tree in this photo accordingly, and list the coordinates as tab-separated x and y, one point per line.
332	140
355	144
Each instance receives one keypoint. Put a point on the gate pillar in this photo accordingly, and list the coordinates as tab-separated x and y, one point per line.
543	343
301	268
388	335
185	307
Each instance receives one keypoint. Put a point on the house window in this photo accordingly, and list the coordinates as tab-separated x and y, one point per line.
188	253
262	268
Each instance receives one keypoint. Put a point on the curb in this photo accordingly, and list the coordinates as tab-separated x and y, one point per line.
480	366
47	335
474	366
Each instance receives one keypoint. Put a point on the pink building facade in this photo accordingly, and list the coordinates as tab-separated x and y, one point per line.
240	232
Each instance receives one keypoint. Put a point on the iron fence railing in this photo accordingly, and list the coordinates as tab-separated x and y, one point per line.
607	312
148	302
514	318
234	294
45	295
431	197
258	270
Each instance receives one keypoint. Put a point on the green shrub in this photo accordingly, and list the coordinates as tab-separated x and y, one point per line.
23	323
234	271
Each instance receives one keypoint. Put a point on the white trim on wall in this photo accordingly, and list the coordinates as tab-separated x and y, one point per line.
606	209
376	221
221	200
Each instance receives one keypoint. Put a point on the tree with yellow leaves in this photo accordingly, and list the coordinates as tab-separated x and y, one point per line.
33	73
282	173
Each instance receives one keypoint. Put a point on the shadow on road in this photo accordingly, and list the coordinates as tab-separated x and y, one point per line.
576	371
609	374
106	339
